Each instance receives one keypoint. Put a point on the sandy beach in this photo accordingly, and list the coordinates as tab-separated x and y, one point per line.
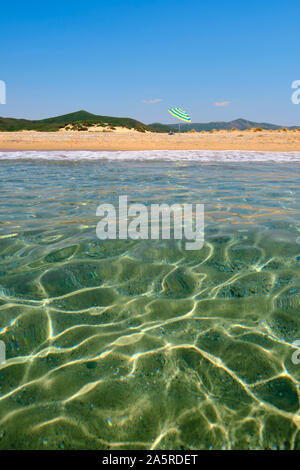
270	140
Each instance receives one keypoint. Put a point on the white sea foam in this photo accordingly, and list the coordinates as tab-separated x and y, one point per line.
159	155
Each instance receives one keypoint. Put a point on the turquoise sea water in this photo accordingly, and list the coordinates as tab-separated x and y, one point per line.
124	344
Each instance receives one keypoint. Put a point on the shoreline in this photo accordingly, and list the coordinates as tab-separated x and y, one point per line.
265	140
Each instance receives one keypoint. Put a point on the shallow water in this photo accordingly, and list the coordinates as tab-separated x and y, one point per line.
141	344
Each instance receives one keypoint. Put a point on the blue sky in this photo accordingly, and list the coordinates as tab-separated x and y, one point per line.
110	56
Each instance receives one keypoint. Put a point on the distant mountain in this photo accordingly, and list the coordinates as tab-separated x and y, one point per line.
81	119
240	124
158	127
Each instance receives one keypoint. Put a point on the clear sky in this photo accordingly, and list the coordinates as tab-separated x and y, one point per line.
120	57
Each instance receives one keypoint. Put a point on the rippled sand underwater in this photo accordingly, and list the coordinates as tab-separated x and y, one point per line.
142	344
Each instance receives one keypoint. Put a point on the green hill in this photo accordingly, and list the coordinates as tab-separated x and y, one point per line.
80	119
158	127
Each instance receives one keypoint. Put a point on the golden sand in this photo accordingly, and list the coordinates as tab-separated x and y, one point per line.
279	140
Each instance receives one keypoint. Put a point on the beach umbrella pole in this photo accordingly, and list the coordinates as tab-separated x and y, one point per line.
179	114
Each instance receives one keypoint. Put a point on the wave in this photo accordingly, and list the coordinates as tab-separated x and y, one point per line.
207	156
